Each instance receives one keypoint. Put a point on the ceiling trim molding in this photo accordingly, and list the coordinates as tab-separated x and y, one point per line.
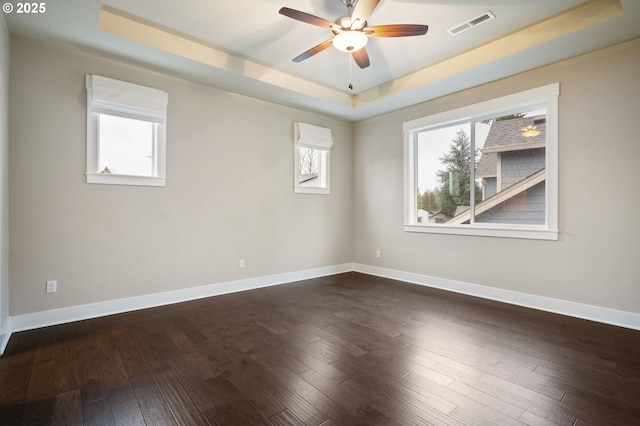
513	53
574	20
120	24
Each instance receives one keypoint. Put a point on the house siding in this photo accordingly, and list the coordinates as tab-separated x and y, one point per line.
490	187
517	165
528	208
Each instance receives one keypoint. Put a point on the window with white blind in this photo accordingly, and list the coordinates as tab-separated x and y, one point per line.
311	154
125	133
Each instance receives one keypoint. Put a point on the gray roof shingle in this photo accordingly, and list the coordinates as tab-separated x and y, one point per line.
506	135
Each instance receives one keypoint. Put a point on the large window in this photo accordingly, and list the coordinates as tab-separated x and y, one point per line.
486	169
312	153
125	133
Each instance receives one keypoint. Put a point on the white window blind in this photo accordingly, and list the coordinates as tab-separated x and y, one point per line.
314	137
115	97
126	133
312	154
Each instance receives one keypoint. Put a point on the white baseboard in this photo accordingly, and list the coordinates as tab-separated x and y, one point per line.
5	334
578	310
95	310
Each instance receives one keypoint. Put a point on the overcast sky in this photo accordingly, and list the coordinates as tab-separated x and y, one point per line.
433	144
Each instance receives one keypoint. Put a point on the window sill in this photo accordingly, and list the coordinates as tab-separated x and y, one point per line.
533	233
111	179
303	190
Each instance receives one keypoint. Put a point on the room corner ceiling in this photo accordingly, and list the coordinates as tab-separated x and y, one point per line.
247	46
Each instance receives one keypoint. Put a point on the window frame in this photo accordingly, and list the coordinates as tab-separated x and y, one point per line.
546	96
320	139
134	101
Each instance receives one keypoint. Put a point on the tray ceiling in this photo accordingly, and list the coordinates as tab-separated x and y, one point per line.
247	46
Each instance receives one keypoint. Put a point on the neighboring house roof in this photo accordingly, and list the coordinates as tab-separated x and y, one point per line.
506	135
488	165
502	196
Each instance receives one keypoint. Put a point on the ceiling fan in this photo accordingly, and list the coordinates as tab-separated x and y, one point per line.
350	32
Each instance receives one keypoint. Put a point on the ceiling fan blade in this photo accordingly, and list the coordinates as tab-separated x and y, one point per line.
400	30
361	57
316	49
361	12
306	17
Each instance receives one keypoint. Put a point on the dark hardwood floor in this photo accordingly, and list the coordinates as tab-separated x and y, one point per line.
349	349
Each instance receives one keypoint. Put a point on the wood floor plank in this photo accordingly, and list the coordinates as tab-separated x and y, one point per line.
529	379
244	378
286	418
536	403
284	395
180	403
39	400
294	382
348	349
403	411
490	401
611	414
98	413
144	386
160	415
68	408
124	405
240	414
67	375
186	368
357	406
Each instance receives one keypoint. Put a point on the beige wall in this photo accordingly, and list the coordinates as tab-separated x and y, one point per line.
229	192
596	261
4	175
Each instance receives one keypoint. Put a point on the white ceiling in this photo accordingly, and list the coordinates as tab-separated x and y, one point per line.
246	46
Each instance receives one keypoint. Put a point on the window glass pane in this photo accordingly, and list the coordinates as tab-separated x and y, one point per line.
126	146
510	188
510	170
309	167
443	164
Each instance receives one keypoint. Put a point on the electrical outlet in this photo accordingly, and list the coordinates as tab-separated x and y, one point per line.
242	264
378	254
52	286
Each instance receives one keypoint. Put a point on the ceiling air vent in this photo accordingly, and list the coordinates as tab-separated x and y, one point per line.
487	16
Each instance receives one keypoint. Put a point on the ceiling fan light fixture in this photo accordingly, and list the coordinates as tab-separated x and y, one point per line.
350	41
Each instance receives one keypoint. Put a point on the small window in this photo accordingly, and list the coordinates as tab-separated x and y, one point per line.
488	169
125	133
311	168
